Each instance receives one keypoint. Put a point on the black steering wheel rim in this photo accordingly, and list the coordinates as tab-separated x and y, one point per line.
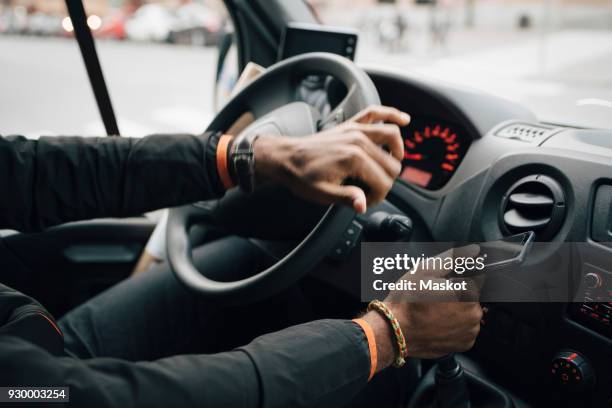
276	84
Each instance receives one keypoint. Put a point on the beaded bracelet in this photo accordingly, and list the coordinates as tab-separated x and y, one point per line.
381	308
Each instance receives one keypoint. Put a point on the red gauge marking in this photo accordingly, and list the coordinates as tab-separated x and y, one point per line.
413	156
452	157
432	153
447	167
453	147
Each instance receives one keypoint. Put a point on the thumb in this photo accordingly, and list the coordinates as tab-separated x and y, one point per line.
465	251
351	196
470	250
474	283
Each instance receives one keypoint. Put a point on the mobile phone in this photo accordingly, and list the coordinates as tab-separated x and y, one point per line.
507	252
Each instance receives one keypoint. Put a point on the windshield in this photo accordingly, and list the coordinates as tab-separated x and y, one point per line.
552	56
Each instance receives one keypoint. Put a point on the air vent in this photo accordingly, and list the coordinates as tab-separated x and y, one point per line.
535	203
526	132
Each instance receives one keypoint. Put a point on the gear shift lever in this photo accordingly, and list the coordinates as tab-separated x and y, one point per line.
447	385
451	385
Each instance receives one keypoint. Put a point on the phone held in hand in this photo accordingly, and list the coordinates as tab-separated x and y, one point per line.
507	252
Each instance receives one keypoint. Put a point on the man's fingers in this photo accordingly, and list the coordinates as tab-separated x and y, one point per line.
385	135
392	166
350	196
367	170
378	113
470	251
432	270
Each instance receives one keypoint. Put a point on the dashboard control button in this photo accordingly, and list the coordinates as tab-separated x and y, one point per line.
349	240
592	280
572	371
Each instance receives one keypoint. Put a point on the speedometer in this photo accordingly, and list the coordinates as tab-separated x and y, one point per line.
433	150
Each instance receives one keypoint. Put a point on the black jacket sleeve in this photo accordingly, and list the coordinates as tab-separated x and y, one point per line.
59	179
318	364
54	180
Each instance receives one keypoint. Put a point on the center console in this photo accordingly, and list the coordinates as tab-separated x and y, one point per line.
594	309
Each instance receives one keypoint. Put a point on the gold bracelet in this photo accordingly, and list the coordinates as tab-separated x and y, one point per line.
400	340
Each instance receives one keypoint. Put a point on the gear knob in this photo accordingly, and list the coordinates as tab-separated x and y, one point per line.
451	385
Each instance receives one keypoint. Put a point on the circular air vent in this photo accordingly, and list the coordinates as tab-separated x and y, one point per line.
534	203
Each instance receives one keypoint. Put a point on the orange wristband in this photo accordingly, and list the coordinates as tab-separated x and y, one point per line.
369	333
222	164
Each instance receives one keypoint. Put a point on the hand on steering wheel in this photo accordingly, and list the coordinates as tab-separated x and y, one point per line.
315	167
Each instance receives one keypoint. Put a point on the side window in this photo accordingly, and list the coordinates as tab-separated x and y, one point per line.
44	89
160	61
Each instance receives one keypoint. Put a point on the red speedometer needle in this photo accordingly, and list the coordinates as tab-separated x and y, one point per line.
413	156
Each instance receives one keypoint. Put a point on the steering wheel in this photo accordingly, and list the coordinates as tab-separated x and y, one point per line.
272	212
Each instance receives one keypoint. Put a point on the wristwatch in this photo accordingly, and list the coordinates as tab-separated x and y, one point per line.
242	161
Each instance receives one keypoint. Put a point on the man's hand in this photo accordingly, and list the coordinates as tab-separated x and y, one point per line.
316	167
433	328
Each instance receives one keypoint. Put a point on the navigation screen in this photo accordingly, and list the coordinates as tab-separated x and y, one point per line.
304	38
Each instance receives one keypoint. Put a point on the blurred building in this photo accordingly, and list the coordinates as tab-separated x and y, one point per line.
102	7
487	14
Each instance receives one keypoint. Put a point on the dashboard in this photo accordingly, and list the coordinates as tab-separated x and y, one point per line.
471	159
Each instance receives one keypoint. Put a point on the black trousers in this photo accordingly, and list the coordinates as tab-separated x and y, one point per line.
151	316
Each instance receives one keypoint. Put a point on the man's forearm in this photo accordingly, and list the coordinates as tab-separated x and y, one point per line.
59	179
323	363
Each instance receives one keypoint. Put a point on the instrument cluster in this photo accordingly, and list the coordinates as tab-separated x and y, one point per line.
433	150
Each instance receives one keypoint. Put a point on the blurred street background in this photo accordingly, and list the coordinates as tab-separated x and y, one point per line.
159	57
